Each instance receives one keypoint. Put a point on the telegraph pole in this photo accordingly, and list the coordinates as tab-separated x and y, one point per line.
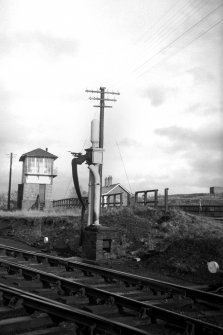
102	106
10	181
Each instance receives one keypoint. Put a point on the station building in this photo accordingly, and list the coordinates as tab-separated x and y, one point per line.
114	194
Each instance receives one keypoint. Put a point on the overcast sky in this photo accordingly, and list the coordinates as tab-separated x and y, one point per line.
163	56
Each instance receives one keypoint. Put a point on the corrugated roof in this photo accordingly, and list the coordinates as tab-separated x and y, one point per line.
40	153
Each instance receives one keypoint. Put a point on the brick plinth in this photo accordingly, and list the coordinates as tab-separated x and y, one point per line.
99	242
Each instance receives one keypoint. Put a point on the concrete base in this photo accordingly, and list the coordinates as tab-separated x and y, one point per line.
99	242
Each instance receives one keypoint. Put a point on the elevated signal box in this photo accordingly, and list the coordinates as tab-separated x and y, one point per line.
35	190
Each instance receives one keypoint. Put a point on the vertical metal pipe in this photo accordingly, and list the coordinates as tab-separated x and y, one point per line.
96	193
90	200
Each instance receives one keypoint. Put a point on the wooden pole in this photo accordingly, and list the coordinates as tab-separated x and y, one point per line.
10	181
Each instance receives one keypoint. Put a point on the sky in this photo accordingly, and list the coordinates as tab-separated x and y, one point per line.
164	57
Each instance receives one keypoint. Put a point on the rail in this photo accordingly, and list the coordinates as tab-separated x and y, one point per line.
109	274
91	321
71	287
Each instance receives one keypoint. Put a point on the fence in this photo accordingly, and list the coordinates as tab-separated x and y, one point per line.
215	211
144	197
111	200
69	203
116	200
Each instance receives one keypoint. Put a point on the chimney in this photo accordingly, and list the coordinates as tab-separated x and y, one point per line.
106	182
46	149
109	180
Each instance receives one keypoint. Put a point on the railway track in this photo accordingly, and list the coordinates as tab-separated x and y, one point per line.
130	304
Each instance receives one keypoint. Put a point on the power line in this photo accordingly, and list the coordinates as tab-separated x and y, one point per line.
167	27
161	18
197	37
179	37
124	167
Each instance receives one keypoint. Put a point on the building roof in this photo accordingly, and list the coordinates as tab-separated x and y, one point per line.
40	153
107	189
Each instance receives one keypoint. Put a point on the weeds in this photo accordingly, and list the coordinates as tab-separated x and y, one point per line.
36	213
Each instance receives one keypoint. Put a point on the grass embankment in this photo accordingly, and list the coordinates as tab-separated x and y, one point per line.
182	243
45	213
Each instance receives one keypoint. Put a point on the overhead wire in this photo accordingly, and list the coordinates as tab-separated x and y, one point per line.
157	37
183	47
181	35
141	38
167	34
167	29
202	20
124	167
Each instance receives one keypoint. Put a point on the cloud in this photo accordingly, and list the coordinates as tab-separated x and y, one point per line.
199	151
207	138
52	45
201	75
130	142
204	164
5	95
204	109
158	95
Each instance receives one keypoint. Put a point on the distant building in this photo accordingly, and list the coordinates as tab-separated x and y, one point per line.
111	193
216	190
35	191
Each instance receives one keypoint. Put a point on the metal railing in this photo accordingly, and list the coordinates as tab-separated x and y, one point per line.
69	203
112	200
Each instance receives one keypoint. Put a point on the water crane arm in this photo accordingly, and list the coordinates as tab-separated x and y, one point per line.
78	160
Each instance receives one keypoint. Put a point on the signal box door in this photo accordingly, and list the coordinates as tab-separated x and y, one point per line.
42	192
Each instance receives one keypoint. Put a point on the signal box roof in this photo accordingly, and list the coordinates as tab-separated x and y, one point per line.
39	153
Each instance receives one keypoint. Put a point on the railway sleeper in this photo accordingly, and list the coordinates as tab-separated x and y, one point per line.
24	323
51	331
